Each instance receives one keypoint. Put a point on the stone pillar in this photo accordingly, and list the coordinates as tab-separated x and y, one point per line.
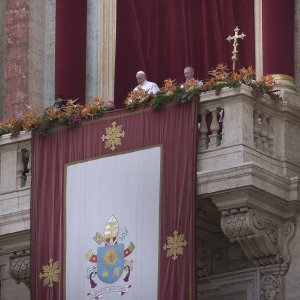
297	43
27	49
101	49
42	53
2	56
16	58
92	38
258	38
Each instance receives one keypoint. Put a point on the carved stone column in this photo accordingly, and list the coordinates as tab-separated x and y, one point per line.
41	77
107	48
258	38
19	267
101	49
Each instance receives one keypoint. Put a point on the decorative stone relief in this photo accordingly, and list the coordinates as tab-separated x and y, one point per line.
263	132
23	168
270	287
262	240
19	267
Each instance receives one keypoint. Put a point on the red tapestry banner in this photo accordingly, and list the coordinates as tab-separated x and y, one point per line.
113	207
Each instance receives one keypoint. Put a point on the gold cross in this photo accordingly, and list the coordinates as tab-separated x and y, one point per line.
235	44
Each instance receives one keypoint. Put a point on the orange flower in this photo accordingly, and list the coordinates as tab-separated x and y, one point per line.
220	72
236	76
221	68
169	86
268	80
247	73
72	108
53	113
137	96
92	108
191	84
31	118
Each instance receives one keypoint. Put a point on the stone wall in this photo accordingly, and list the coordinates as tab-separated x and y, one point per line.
2	56
16	57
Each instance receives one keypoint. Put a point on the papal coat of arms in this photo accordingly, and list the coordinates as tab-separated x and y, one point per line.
111	260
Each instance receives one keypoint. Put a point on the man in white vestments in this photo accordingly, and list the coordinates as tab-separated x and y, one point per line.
189	75
146	85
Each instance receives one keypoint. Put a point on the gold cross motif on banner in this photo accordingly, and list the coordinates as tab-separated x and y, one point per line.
113	136
235	45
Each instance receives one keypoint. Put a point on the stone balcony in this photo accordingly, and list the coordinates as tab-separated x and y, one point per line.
247	193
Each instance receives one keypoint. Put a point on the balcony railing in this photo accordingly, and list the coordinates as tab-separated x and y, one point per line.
236	128
15	182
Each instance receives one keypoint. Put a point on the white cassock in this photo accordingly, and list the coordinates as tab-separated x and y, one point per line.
148	86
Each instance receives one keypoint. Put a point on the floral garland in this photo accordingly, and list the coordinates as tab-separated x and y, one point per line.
43	122
220	78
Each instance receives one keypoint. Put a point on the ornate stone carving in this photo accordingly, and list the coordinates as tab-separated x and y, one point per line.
215	254
263	240
19	267
263	132
23	172
270	287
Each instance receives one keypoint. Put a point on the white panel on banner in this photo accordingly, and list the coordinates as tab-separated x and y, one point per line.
125	190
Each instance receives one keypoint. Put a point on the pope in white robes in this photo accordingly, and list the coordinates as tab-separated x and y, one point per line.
146	85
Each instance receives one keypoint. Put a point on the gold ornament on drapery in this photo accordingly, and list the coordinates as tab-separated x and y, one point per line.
50	273
175	245
113	136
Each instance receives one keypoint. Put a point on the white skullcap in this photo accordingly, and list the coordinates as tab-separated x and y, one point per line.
140	73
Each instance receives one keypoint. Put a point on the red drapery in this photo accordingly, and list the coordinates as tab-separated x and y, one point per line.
162	37
175	129
278	36
70	49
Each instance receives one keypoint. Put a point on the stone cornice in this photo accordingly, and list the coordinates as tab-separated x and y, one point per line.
15	217
16	241
6	139
247	175
268	204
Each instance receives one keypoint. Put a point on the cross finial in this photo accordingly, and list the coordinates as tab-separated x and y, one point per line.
235	44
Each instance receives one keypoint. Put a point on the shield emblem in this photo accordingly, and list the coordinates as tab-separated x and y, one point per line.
110	263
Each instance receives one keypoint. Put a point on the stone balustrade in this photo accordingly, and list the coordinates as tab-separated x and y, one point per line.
15	183
237	131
